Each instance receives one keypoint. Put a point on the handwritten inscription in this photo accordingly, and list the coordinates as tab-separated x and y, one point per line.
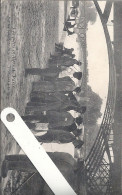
11	54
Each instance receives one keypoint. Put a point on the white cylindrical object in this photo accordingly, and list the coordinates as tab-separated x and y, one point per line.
36	154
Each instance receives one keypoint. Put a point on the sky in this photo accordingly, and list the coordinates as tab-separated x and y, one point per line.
98	65
98	58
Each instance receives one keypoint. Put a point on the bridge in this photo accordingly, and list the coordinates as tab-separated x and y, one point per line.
103	165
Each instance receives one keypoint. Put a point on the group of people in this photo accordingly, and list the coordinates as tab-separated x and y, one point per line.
53	99
54	110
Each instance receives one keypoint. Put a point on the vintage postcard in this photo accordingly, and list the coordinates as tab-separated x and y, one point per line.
61	70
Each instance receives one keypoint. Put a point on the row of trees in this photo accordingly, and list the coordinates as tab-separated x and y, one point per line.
94	102
93	113
90	12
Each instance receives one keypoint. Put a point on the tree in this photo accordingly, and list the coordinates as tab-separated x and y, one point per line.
91	13
90	119
93	107
90	136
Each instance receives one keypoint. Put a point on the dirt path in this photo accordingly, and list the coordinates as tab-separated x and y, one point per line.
29	33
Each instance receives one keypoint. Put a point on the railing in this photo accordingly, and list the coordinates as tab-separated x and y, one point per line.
95	157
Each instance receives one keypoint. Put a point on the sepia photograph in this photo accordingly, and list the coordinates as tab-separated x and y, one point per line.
61	70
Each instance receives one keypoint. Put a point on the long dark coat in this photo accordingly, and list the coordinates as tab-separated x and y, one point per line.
54	118
47	72
63	61
61	84
36	108
56	136
49	97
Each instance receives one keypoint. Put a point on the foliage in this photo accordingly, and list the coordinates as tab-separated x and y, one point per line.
91	13
90	118
90	136
93	107
94	102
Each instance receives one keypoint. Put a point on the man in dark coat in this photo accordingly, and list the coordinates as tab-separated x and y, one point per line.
58	55
50	73
61	84
39	99
46	72
62	52
55	68
54	118
61	137
52	97
56	136
71	128
56	105
63	61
